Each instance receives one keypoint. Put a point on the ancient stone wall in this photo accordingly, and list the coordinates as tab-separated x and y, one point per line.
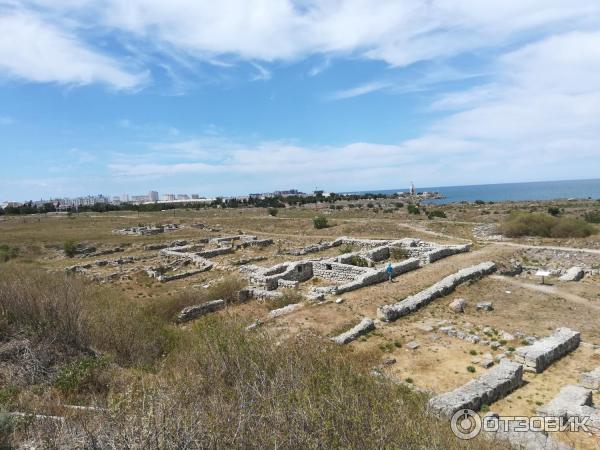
491	386
330	270
542	353
439	289
361	328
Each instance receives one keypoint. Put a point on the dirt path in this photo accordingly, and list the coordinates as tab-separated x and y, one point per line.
551	290
547	247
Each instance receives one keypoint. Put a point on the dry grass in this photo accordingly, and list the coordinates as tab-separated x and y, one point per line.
212	385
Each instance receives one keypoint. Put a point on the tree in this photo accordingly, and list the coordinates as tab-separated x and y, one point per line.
320	222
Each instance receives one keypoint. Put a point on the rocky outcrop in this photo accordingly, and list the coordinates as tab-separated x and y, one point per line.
542	353
439	289
493	385
353	333
193	312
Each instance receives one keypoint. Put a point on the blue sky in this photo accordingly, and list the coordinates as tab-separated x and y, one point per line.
191	96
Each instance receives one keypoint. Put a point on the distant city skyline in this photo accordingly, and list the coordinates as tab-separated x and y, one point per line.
246	95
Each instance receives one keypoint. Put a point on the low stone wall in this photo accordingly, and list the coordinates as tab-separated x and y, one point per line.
215	252
363	327
314	248
330	270
193	257
439	289
374	276
542	353
569	397
289	271
444	252
257	243
285	310
193	312
493	385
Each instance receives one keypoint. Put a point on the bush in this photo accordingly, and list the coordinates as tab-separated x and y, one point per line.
273	211
592	217
7	252
554	211
471	369
70	248
536	224
320	222
479	202
84	376
436	213
413	209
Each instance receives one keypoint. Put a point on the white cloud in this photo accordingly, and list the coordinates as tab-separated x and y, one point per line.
358	90
35	50
538	119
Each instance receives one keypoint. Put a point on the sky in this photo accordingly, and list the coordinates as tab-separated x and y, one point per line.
240	96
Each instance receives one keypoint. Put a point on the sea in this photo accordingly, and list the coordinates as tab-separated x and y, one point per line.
537	190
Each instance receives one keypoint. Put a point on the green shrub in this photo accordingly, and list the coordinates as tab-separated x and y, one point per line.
554	211
346	248
70	248
273	211
320	222
471	369
436	213
413	209
83	376
592	217
7	252
537	224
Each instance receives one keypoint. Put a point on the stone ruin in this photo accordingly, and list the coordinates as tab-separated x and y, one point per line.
182	253
573	401
542	353
486	389
193	312
591	380
439	289
147	230
343	269
363	327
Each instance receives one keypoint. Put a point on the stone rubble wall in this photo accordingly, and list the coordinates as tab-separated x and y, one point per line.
193	312
374	276
198	260
315	248
439	289
285	310
330	270
495	384
444	252
573	401
353	333
575	273
257	243
215	252
542	353
289	271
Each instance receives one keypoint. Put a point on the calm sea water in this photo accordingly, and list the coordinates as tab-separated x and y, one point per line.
542	190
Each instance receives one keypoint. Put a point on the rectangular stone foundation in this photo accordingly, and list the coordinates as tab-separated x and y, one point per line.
493	385
544	352
439	289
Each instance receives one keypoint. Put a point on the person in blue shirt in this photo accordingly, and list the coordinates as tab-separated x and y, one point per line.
389	271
